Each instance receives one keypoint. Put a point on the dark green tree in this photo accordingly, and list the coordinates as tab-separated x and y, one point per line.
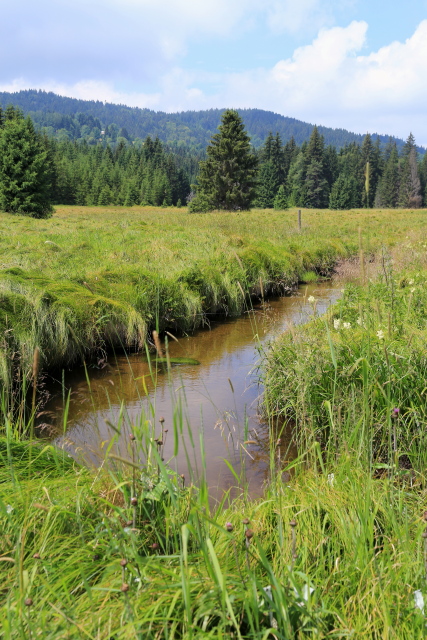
281	200
268	186
345	193
25	168
227	178
388	187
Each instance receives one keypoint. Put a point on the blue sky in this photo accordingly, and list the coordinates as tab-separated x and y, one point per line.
354	64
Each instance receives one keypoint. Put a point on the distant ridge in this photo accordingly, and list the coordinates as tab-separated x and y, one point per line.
194	128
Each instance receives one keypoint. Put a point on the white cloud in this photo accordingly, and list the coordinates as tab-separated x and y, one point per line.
330	81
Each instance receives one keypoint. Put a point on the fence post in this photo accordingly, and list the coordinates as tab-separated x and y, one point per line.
299	220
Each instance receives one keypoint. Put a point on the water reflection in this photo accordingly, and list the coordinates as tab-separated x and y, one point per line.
217	399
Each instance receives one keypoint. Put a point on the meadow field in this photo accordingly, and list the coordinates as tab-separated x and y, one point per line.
336	547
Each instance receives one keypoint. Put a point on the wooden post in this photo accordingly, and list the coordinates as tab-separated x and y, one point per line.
299	219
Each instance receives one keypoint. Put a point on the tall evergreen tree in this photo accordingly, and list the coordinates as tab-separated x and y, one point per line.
316	184
388	187
268	186
25	168
345	193
227	178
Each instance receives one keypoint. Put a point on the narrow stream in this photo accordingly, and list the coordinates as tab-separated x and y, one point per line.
217	399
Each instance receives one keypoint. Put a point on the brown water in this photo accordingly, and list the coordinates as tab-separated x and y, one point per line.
215	402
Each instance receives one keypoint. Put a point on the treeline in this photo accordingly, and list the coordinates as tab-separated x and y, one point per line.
95	121
318	176
125	175
36	172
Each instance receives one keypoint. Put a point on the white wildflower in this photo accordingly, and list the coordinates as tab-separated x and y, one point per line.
331	479
337	323
359	321
419	600
346	325
311	299
413	289
380	334
411	282
9	508
305	594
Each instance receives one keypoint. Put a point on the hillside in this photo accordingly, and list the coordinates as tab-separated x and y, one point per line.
69	118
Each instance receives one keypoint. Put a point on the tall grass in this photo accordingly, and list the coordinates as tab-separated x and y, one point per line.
139	552
92	278
355	380
335	547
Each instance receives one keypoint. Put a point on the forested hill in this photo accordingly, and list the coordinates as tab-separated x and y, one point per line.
68	118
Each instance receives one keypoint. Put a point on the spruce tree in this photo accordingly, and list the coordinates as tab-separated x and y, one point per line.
316	184
281	200
345	193
388	186
227	178
25	168
268	185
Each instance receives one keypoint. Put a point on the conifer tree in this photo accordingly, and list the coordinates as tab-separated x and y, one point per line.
25	168
345	193
388	186
227	178
290	151
281	201
316	185
268	185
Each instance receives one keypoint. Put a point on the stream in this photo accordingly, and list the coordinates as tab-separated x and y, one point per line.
215	402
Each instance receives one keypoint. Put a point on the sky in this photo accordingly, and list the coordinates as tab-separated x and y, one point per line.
360	65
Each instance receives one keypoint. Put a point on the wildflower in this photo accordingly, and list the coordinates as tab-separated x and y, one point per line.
380	334
395	412
311	299
9	508
346	325
419	600
331	479
359	321
229	526
337	323
412	289
411	282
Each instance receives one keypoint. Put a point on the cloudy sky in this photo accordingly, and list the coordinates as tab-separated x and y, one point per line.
356	64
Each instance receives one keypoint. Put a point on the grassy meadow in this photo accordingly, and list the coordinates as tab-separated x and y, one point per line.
91	278
336	548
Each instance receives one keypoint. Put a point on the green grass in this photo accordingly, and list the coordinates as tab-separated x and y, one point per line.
356	378
91	278
358	545
356	494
